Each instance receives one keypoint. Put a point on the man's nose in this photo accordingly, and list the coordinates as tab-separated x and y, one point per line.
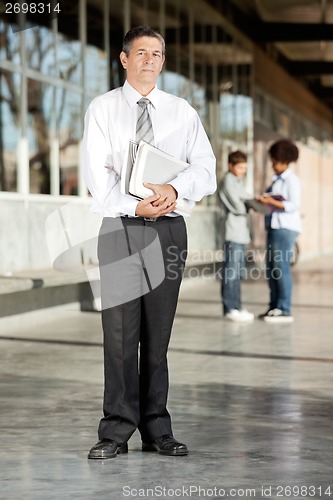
149	58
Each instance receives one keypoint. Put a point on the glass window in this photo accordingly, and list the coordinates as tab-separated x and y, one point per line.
9	129
40	122
9	42
181	86
40	50
236	107
69	47
96	71
96	62
69	59
70	132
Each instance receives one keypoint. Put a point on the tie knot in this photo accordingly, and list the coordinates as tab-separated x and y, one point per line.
143	102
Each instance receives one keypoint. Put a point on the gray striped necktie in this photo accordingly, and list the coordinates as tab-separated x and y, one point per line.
144	128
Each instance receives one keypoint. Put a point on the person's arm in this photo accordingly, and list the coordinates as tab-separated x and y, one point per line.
101	178
231	195
293	202
199	179
291	193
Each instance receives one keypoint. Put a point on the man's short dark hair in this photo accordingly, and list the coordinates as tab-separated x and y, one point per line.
139	32
237	157
284	151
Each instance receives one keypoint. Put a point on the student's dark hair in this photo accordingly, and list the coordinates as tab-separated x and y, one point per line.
284	151
237	157
139	32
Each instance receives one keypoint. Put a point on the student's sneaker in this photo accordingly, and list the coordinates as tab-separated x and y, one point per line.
276	316
263	315
241	316
246	315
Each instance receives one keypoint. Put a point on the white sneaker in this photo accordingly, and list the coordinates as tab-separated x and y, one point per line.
277	316
239	316
246	315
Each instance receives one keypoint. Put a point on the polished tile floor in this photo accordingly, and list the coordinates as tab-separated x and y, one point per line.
253	402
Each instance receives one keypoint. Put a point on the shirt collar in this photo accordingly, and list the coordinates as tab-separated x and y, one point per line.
282	176
132	96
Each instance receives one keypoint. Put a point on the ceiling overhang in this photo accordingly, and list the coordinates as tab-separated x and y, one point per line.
297	34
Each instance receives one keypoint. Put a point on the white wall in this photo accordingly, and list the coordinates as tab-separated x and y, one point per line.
36	229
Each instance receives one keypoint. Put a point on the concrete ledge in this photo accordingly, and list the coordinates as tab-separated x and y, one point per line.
27	280
38	289
42	297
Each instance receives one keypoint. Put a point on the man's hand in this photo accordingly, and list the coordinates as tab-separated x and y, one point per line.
148	207
167	194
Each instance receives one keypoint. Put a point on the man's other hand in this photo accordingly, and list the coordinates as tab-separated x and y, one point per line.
154	207
167	193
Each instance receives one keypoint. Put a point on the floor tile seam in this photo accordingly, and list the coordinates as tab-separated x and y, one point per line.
62	342
250	355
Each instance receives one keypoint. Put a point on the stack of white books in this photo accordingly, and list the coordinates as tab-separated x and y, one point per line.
146	163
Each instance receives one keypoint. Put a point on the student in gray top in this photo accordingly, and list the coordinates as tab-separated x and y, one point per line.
236	230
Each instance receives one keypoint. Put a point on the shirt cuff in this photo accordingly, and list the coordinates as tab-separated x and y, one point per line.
177	185
289	206
129	207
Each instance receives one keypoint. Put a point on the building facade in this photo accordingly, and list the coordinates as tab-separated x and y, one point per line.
53	63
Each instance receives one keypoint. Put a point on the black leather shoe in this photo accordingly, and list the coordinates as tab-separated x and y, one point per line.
107	448
166	445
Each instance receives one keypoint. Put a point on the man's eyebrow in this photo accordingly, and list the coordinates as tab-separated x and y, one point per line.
148	50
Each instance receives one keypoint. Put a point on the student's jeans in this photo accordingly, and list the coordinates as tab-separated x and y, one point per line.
280	248
232	273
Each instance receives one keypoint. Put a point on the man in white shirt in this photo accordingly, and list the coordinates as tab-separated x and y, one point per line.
138	306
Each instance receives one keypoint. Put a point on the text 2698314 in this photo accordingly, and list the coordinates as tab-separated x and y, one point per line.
32	8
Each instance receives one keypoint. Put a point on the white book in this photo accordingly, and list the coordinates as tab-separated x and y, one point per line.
128	167
146	163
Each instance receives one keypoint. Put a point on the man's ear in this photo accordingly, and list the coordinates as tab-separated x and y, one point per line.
163	59
123	59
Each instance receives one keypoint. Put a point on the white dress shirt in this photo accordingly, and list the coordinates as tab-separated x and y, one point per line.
288	185
110	122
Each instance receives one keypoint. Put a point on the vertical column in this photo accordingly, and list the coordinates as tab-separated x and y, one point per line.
178	43
54	161
215	104
145	12
127	16
54	132
162	30
191	49
23	176
106	28
162	17
234	91
250	133
82	189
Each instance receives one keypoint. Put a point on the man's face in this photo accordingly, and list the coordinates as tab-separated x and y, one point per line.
144	62
239	170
